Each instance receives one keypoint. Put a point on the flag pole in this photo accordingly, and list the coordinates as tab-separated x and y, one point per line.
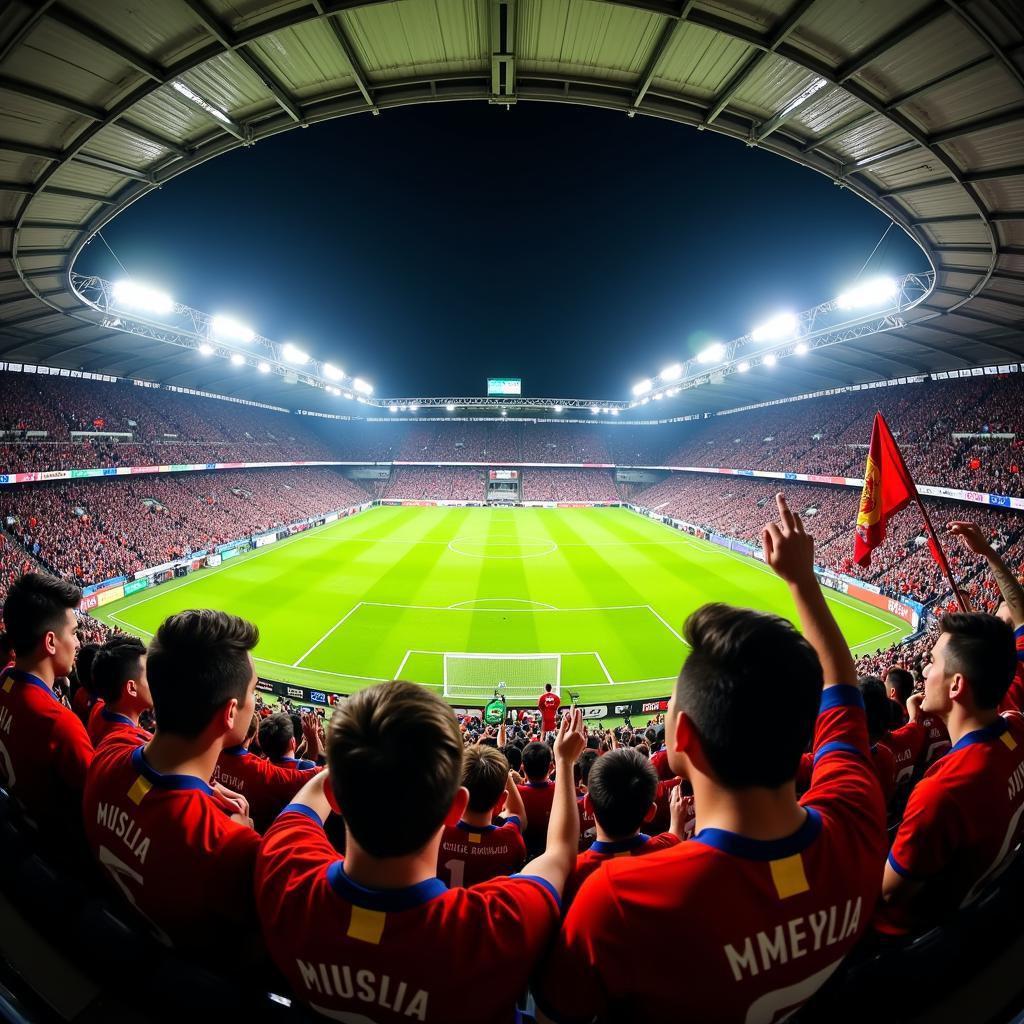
937	548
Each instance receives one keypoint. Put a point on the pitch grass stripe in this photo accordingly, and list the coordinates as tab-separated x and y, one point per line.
340	622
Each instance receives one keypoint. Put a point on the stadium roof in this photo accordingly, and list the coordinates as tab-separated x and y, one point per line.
916	106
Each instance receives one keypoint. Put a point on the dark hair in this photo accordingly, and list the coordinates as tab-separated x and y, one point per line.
900	680
35	606
876	706
394	741
586	762
84	663
276	732
621	788
751	686
514	756
117	661
485	775
537	761
982	649
547	687
198	661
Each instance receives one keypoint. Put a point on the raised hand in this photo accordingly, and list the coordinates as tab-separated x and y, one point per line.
972	536
787	548
572	737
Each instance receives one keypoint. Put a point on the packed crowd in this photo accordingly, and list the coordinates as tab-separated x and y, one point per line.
536	855
569	485
433	483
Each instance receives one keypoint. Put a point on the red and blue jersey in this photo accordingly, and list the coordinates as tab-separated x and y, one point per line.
299	764
962	821
103	721
44	752
1014	699
600	851
422	953
267	787
469	854
168	848
537	800
766	921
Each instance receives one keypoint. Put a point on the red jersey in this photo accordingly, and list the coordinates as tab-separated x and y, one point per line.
884	764
267	787
537	800
962	822
103	721
659	759
549	704
588	823
636	846
170	850
662	797
796	906
469	854
936	740
426	952
83	703
906	744
44	752
1014	699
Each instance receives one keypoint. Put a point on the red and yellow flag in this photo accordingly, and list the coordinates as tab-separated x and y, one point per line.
888	488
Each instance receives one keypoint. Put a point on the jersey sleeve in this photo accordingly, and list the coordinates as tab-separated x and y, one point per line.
1014	698
291	852
520	914
928	833
72	750
231	881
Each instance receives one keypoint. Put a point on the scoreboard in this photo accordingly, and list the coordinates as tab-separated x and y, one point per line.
504	386
504	474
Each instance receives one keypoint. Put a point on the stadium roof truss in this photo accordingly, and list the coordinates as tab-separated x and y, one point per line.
916	106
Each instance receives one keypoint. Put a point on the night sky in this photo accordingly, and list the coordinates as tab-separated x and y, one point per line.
433	246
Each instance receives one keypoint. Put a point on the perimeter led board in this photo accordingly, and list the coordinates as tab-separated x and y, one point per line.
504	386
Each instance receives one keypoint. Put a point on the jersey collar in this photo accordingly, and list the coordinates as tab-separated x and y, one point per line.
762	849
383	899
540	785
466	827
989	732
114	716
27	677
239	751
148	772
601	846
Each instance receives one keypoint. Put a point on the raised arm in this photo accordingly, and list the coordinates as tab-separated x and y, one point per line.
1011	590
514	805
789	550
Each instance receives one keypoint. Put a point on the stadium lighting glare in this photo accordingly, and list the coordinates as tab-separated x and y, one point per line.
450	408
714	353
801	348
237	359
673	372
770	359
642	387
776	329
615	412
263	367
595	409
743	367
205	350
225	327
331	390
140	296
198	100
392	408
413	408
644	401
878	294
658	397
331	372
558	408
294	354
504	412
362	387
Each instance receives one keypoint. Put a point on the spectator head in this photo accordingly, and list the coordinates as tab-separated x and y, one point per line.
253	732
201	675
395	741
514	756
83	665
119	674
744	708
586	762
547	687
277	736
621	791
900	683
876	707
39	616
973	662
485	775
537	761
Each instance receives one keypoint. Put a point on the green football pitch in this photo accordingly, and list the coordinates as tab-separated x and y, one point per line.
386	594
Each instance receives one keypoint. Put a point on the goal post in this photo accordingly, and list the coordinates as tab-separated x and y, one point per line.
518	676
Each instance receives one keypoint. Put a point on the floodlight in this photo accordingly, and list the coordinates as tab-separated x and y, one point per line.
140	296
333	390
673	372
644	401
392	408
504	412
595	409
413	408
450	408
205	350
743	367
362	387
198	100
770	359
225	327
331	372
776	329
714	353
801	348
403	407
263	367
237	359
558	408
643	387
877	293
294	354
615	412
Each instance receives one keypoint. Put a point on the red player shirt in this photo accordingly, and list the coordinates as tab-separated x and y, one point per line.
795	907
936	740
906	744
537	800
422	953
103	721
636	846
44	752
962	821
469	854
267	787
169	849
1014	699
548	704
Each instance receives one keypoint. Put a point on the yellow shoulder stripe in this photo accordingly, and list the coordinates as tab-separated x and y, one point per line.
788	876
366	925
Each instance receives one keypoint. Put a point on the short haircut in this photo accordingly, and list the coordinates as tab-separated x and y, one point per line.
485	775
35	606
276	733
514	756
900	680
621	787
537	761
117	661
586	762
83	664
751	686
982	649
198	661
547	687
876	706
394	742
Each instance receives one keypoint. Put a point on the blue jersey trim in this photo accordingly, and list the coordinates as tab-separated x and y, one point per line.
835	746
302	809
513	819
841	696
114	716
464	826
762	849
989	732
147	771
27	677
602	846
900	869
238	751
1019	631
540	785
383	899
544	884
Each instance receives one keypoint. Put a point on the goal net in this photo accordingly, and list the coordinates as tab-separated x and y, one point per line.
517	676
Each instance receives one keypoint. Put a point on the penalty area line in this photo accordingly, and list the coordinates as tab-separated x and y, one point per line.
354	608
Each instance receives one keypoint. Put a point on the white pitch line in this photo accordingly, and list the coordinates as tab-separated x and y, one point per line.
448	608
666	625
354	608
459	605
604	667
398	671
